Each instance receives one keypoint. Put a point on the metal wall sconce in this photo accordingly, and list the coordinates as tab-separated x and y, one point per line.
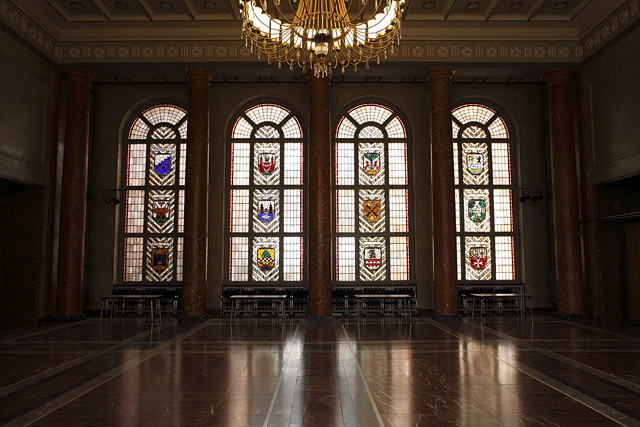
533	194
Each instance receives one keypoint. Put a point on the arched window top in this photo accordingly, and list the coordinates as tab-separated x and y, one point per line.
162	121
369	121
468	116
265	121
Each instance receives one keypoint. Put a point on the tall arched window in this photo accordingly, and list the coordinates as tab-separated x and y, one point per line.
372	201
154	195
266	196
484	194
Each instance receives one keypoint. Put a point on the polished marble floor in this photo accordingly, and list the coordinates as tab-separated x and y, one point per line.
372	372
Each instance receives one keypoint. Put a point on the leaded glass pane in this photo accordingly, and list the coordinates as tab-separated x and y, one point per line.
458	258
473	113
266	211
345	208
139	129
239	211
267	113
399	261
159	259
346	129
477	251
474	132
240	163
136	164
238	258
371	163
293	163
161	211
475	163
395	128
345	259
179	258
503	210
162	164
456	171
373	259
477	211
345	153
163	132
132	265
456	198
241	129
371	132
182	172
370	113
498	129
293	259
164	113
181	211
266	164
455	129
398	210
505	259
266	132
398	171
266	259
134	211
293	211
501	162
372	211
183	130
292	128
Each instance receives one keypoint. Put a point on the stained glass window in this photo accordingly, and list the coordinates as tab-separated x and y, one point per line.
372	199
484	195
265	194
153	197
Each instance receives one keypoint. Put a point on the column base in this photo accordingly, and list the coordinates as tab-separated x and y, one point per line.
575	317
62	319
200	319
320	319
445	319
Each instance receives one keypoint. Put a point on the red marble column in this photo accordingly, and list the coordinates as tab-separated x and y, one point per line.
565	194
194	284
73	207
319	195
444	227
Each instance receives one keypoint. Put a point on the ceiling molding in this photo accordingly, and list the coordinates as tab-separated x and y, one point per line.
146	41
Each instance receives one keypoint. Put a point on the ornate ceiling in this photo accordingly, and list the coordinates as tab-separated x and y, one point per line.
549	32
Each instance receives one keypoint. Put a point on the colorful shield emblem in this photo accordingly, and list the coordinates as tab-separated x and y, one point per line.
371	210
266	258
477	210
371	163
159	258
162	163
266	163
478	257
266	210
160	212
475	163
372	258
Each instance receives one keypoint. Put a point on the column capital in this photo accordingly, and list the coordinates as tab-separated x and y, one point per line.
79	75
559	75
198	72
447	72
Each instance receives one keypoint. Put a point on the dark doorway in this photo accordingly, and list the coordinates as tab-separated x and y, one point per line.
632	246
20	252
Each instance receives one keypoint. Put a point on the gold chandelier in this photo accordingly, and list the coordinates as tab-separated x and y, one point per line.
322	34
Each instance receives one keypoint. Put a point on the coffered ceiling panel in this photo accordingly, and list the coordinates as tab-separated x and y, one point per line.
118	10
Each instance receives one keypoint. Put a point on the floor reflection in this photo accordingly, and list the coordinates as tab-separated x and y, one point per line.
340	372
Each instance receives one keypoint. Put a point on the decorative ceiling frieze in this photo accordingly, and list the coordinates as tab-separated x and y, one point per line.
428	51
